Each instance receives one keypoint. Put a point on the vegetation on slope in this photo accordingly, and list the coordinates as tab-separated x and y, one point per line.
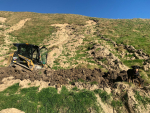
47	100
126	31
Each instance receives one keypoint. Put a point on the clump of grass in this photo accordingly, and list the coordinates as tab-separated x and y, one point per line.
103	94
117	105
1	29
56	67
2	66
2	39
75	88
94	82
81	80
142	99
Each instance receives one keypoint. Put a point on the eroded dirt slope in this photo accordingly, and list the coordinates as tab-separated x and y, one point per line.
8	39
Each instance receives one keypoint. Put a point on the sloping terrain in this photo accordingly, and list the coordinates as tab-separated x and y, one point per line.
89	56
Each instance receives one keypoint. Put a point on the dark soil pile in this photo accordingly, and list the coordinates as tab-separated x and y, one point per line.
66	76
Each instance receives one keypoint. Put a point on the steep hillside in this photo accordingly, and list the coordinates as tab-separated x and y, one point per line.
77	42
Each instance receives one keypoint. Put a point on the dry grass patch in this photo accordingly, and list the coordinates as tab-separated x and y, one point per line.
2	39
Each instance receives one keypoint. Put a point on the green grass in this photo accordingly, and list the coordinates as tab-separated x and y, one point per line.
133	62
75	88
56	67
142	99
105	97
57	61
48	100
2	39
39	27
127	31
117	105
1	29
34	35
94	82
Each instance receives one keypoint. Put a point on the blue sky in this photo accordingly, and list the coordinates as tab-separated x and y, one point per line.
122	9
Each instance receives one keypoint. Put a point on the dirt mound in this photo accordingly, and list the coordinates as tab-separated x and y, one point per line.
67	76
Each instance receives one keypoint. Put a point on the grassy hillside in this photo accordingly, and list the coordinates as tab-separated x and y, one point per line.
75	42
39	27
123	31
127	31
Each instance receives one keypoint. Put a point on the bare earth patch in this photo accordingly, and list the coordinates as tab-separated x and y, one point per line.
65	36
11	110
2	19
8	40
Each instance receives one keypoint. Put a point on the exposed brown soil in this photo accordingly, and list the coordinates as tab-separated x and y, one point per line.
63	77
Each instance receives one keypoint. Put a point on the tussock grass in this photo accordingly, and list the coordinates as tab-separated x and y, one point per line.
47	100
105	97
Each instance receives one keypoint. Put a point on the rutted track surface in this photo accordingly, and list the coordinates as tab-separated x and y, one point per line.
63	77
